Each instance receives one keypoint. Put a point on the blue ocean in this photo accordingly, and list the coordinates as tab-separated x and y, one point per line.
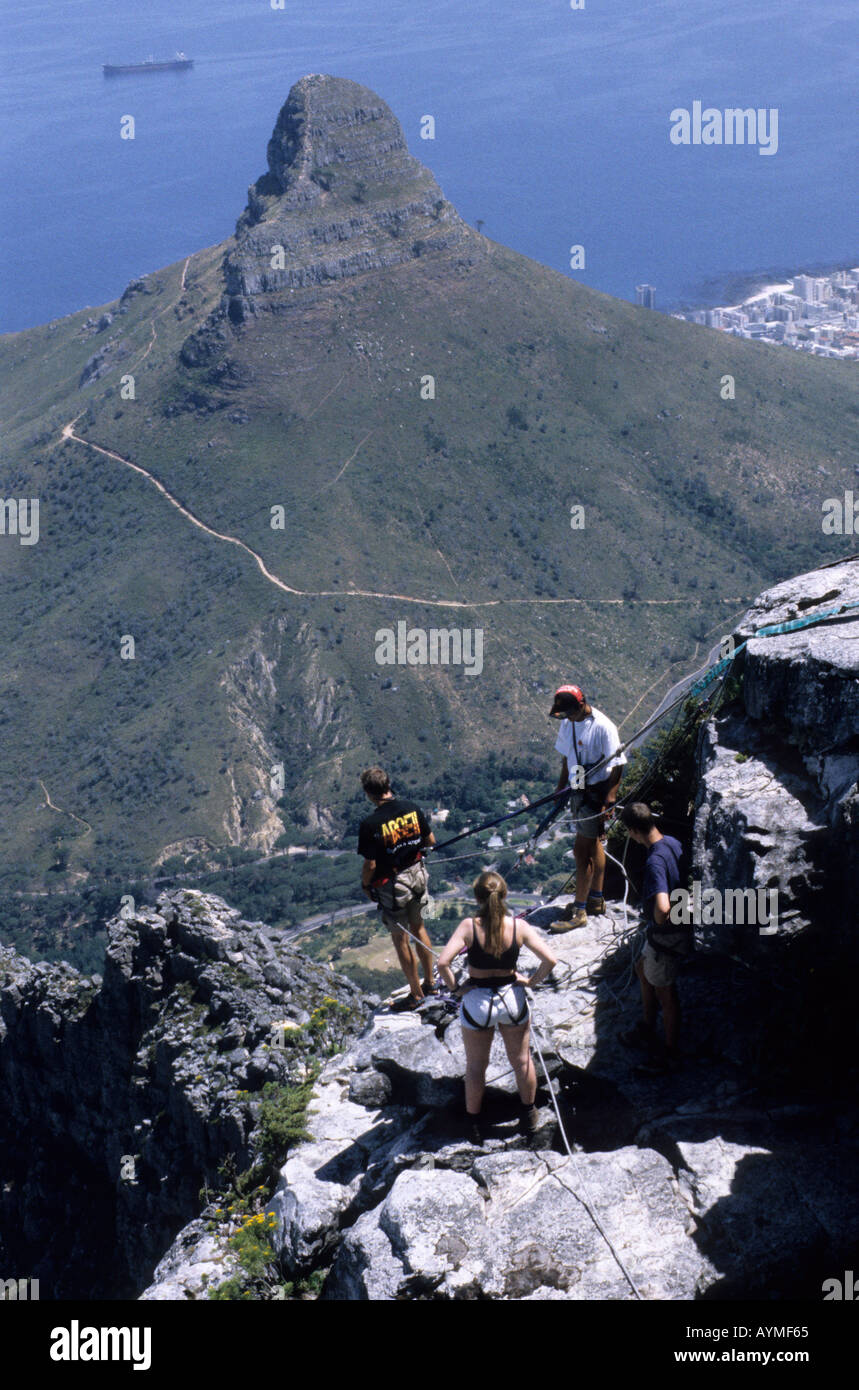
551	127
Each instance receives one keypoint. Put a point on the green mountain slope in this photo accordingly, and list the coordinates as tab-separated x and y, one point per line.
294	379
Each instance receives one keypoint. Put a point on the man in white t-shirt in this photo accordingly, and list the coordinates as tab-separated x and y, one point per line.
592	766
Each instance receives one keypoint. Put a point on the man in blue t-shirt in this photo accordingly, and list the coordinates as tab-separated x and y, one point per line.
665	945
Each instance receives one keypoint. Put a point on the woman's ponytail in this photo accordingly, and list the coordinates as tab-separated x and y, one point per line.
490	891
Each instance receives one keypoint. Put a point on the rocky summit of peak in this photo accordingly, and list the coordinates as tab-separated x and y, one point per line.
341	196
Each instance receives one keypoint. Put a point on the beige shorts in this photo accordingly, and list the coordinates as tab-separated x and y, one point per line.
660	969
402	899
586	821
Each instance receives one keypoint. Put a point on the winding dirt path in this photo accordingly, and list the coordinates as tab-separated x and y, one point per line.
59	809
172	303
68	432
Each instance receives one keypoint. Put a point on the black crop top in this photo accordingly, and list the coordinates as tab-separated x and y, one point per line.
481	959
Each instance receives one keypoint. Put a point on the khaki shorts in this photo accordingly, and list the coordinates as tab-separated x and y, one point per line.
586	821
660	969
402	899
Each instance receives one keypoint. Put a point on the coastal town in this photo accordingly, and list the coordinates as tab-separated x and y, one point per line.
817	314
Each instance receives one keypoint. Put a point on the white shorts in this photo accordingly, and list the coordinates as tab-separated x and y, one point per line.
490	1006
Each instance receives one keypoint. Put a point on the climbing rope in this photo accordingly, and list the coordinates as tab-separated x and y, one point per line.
490	824
585	1202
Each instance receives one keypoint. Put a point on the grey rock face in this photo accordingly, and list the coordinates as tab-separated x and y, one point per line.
515	1229
121	1096
777	795
195	1262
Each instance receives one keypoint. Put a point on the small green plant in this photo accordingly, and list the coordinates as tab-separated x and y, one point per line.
230	1289
252	1243
303	1288
243	1204
281	1120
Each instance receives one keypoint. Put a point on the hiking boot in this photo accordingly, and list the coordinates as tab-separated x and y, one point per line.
529	1121
473	1130
406	1005
596	905
640	1036
578	918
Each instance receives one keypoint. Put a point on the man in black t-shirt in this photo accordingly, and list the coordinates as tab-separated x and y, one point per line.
391	841
665	945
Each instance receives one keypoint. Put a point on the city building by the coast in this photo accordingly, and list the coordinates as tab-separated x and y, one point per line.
818	314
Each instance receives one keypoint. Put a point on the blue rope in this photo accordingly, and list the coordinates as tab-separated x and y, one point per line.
776	629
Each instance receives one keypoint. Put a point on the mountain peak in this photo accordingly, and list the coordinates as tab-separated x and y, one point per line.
341	196
329	123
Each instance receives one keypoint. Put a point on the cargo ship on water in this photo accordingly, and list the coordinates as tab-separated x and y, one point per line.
177	64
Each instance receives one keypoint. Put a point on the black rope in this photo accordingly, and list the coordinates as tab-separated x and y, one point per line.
490	824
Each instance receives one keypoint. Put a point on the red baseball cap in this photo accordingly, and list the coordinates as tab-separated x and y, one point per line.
566	697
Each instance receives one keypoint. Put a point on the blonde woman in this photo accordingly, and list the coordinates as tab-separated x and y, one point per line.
494	994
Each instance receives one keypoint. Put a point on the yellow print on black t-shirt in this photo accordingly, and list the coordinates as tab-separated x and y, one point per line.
401	828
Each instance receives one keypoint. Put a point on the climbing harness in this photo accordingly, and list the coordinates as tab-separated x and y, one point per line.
499	1000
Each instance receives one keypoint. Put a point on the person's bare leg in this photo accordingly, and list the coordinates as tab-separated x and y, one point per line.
478	1046
669	1001
423	947
517	1044
584	852
407	961
598	864
648	996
